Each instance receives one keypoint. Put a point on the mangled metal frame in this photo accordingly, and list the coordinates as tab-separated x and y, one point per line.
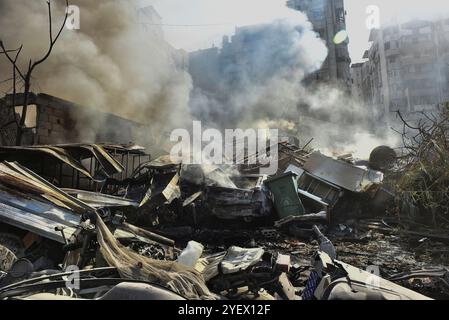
29	202
79	166
71	155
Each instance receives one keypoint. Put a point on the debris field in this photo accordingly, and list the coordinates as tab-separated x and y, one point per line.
123	225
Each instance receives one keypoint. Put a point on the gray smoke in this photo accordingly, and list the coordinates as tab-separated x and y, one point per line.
258	75
112	64
256	80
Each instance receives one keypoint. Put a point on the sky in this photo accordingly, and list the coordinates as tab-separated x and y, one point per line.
196	24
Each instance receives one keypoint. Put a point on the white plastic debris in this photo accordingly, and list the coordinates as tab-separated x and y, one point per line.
239	259
190	255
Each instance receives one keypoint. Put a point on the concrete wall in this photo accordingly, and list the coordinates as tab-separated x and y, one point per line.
57	122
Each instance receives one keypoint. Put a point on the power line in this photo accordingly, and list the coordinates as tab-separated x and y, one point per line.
186	25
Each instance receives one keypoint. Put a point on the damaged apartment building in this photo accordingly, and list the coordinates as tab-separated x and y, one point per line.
406	68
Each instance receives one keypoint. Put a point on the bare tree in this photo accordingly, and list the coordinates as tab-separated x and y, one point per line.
26	75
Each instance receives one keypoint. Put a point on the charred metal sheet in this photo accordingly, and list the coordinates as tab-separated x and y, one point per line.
168	194
36	216
308	218
27	154
163	162
148	234
31	203
109	164
100	200
119	148
192	198
16	177
340	173
34	223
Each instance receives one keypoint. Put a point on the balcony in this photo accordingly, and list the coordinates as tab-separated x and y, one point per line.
392	52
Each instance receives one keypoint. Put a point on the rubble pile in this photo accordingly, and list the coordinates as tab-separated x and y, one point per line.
320	228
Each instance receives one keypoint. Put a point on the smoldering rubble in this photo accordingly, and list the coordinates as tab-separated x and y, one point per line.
321	228
132	226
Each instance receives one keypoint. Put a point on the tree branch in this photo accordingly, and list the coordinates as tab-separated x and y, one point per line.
11	60
52	41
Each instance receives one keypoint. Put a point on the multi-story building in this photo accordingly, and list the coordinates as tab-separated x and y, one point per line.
150	20
328	18
407	67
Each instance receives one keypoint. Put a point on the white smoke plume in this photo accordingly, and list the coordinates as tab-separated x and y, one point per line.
258	75
257	80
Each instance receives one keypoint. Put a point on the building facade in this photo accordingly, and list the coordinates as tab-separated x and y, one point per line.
407	67
328	18
357	80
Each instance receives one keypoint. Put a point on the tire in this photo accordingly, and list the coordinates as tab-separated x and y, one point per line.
7	258
381	158
13	243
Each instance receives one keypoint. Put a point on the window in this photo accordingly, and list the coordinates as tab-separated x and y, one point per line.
340	15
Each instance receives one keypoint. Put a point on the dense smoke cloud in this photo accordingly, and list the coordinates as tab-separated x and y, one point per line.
257	80
115	64
111	64
258	75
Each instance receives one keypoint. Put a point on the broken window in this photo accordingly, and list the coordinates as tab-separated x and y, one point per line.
31	115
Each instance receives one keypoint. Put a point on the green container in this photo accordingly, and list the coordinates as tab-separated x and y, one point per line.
285	192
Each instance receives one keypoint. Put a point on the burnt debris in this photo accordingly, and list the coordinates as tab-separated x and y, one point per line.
320	228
